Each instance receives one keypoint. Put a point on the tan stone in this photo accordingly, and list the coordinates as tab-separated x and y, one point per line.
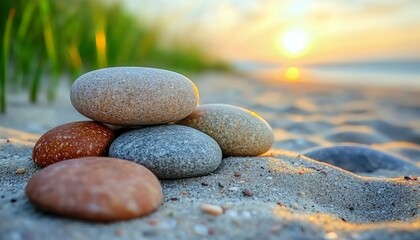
238	131
130	96
211	209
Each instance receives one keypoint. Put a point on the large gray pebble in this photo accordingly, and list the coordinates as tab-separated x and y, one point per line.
169	151
134	96
238	131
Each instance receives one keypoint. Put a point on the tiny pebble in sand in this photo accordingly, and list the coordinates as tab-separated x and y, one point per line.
201	230
211	209
247	193
20	170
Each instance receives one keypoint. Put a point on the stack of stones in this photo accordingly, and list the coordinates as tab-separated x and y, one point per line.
140	115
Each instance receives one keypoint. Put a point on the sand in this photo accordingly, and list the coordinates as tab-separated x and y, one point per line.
288	195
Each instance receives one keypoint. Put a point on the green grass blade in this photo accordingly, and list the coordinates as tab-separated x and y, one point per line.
5	60
27	16
50	45
23	50
35	84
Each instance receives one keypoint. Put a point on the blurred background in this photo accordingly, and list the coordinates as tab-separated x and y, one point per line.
46	42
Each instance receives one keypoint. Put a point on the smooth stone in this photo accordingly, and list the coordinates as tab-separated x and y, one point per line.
96	189
359	158
169	151
72	140
238	131
130	96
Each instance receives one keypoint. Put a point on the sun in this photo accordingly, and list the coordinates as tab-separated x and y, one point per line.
294	42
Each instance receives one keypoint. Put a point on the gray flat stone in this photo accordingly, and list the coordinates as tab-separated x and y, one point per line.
169	151
134	96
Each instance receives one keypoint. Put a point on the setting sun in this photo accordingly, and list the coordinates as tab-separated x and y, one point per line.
294	42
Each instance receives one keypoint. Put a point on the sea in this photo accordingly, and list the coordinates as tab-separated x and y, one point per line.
390	73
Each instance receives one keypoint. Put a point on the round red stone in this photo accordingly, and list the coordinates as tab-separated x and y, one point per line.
96	188
72	140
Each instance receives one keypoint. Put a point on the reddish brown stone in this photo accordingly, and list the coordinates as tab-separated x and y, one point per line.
72	140
96	188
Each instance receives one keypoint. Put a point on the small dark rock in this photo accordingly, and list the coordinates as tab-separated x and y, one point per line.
150	233
247	192
212	231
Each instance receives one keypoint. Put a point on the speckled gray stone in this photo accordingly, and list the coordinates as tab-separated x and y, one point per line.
169	151
238	131
134	96
360	158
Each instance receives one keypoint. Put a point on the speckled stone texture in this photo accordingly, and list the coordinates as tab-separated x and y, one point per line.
238	131
132	96
360	158
72	140
169	151
96	189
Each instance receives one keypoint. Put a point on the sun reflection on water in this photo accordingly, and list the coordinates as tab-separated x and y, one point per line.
292	73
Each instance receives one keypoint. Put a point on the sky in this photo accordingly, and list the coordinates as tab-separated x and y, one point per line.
290	31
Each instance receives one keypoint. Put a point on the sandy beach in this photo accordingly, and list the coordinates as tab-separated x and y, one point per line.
289	196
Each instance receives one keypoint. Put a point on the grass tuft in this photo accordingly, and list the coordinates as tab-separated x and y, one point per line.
52	38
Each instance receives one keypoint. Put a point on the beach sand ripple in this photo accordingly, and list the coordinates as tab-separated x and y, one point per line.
280	195
359	158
